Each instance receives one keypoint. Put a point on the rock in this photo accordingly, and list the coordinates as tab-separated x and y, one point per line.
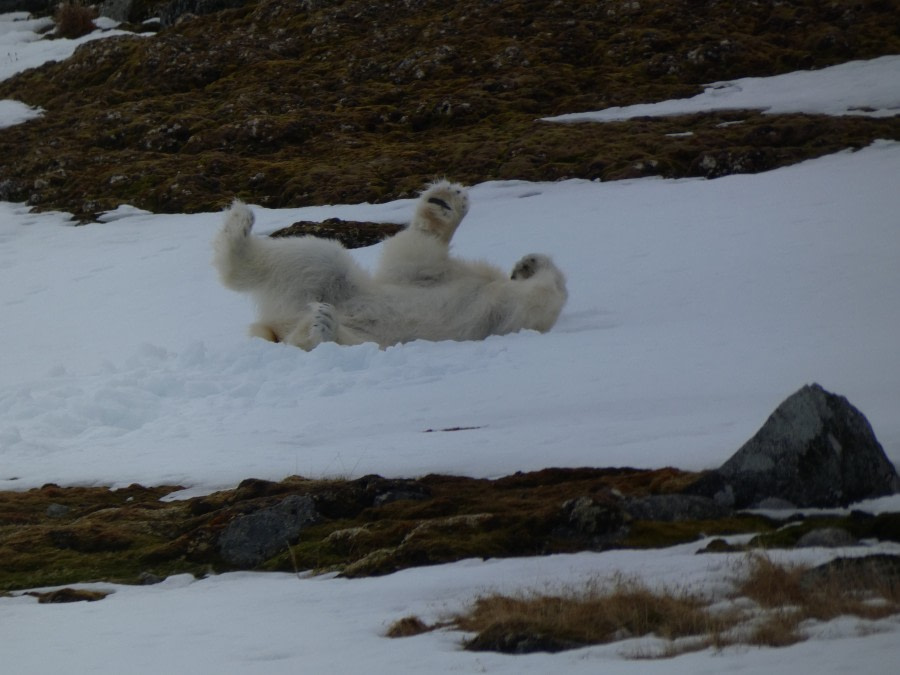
816	450
880	570
63	595
512	639
602	523
177	8
827	537
149	579
57	510
118	10
673	508
720	545
249	540
352	234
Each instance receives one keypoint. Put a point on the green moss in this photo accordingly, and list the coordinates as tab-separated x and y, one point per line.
372	525
649	534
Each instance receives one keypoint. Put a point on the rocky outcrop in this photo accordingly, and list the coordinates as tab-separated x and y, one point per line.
815	450
251	539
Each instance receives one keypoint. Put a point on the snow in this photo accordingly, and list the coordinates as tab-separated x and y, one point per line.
869	88
696	307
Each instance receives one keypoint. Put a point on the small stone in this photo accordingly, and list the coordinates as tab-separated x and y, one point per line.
57	510
149	579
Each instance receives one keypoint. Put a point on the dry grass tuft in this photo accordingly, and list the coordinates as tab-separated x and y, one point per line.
781	598
868	587
408	626
74	19
597	616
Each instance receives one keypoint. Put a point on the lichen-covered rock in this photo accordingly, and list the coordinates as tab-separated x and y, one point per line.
816	449
249	540
601	522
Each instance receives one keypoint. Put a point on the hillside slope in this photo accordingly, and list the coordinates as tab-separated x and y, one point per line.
291	104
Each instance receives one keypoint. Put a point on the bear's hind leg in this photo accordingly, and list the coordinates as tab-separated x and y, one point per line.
319	324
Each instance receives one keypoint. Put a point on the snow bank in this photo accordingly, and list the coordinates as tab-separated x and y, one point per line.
867	88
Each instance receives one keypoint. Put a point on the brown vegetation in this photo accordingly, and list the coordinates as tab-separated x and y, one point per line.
74	19
289	104
372	525
783	597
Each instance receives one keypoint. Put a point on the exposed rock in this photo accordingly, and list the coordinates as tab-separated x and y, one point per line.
602	522
816	449
178	8
827	537
57	510
673	508
69	595
352	234
134	12
118	10
150	579
880	569
720	545
512	639
251	539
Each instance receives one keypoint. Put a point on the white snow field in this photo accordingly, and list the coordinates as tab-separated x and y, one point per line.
696	307
868	88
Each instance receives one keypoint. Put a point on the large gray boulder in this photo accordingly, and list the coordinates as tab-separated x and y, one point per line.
815	450
249	540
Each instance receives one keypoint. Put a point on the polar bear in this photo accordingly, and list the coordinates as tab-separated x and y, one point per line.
310	290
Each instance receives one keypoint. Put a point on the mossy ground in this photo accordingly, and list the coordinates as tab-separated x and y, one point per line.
369	526
360	101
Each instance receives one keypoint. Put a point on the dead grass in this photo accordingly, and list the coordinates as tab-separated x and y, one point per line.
596	617
407	627
865	588
74	19
767	608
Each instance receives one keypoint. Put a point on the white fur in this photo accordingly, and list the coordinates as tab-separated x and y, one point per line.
310	290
